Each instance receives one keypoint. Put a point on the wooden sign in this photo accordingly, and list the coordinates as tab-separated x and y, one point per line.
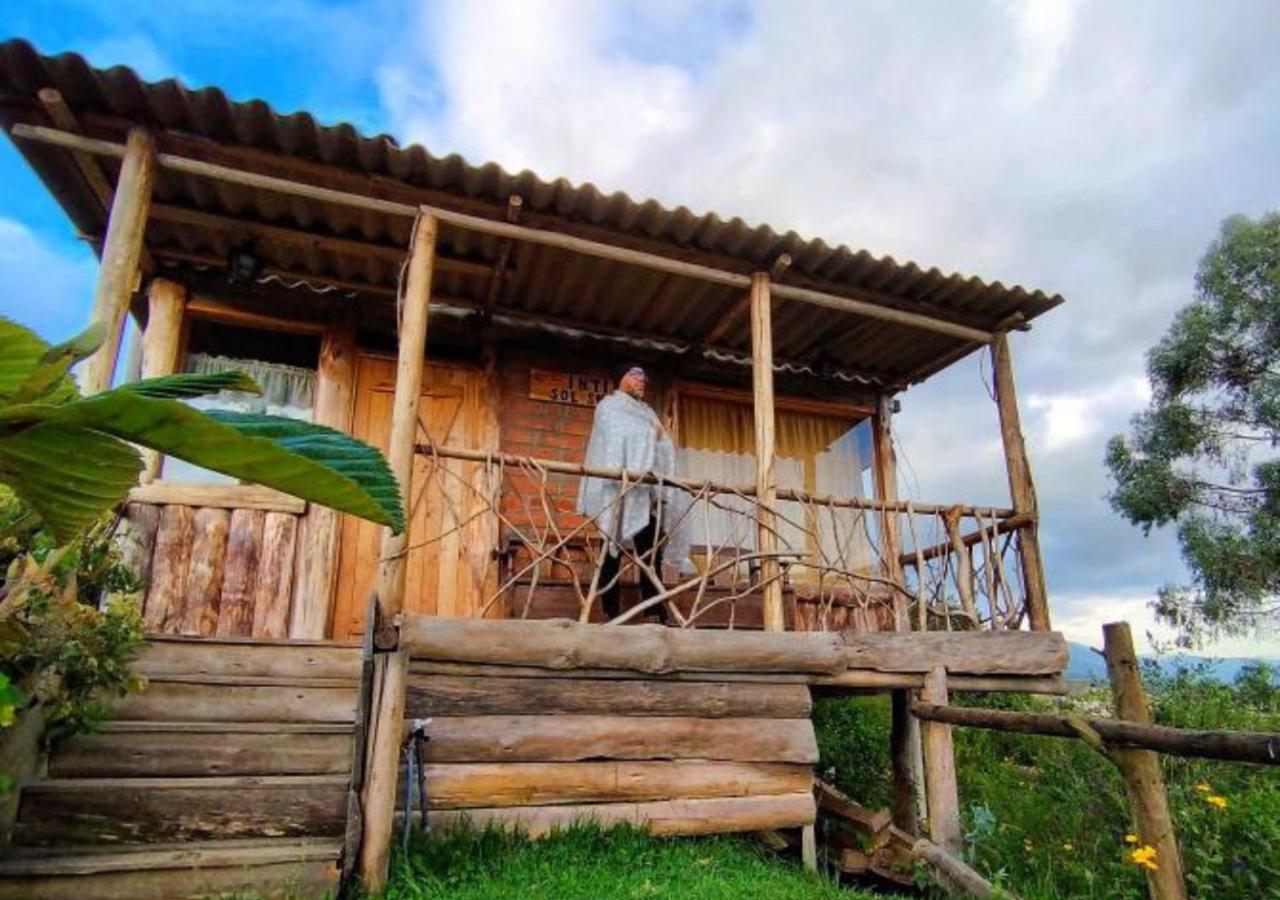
566	387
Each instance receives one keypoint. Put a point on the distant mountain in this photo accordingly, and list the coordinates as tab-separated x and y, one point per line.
1085	665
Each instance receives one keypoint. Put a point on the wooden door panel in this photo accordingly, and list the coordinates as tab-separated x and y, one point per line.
441	577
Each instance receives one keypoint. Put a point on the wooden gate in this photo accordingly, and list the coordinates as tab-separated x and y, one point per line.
451	568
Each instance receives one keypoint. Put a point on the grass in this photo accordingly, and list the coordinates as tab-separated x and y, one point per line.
586	863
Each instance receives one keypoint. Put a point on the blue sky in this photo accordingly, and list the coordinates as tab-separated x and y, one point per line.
1086	147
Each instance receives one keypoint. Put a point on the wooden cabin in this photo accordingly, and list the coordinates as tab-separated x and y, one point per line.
466	320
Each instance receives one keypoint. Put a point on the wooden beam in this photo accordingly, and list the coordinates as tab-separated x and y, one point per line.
217	311
163	212
221	496
1021	485
766	478
121	252
567	646
503	259
386	712
905	748
972	539
315	563
885	460
940	769
1143	779
871	308
951	869
61	115
1258	747
161	344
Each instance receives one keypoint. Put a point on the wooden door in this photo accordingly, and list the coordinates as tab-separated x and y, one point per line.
452	536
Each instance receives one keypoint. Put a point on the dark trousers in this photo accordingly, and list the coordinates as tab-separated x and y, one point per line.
646	540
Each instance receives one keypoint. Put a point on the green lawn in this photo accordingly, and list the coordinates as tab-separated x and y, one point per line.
591	864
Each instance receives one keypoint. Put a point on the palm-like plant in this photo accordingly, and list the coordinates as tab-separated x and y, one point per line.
70	457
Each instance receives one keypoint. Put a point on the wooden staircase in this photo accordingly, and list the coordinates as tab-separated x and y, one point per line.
230	772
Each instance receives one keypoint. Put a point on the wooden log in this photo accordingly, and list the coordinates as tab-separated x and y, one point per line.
565	645
109	810
223	496
169	562
865	822
808	848
940	769
716	815
203	590
577	738
275	576
1143	779
904	751
1233	746
386	712
137	540
970	539
443	695
121	251
766	462
469	785
963	563
167	754
167	656
244	545
161	344
1021	485
952	871
316	559
182	702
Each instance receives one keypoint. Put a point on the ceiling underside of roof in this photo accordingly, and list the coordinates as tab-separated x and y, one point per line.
197	221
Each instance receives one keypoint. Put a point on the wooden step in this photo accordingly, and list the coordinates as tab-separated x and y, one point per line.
283	700
255	748
276	867
148	810
222	656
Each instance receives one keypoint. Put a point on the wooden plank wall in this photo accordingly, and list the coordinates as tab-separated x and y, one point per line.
212	570
680	757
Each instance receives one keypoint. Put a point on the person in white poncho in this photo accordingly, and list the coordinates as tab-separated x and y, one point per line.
626	434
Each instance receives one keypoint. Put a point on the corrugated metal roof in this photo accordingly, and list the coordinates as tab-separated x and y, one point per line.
540	279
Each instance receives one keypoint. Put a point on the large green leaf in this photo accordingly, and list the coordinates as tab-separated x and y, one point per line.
50	380
21	350
67	475
307	461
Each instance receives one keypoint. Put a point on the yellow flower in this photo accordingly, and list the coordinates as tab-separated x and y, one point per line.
1216	800
1131	839
1068	846
1203	787
1144	856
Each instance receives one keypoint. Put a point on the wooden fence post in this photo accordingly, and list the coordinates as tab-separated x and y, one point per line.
386	714
161	343
766	482
121	251
1141	768
940	769
1021	486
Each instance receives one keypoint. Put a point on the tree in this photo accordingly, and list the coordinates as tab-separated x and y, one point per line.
70	458
1203	455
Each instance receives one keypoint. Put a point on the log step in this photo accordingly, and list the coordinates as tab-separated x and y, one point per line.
152	750
284	700
222	656
277	867
149	810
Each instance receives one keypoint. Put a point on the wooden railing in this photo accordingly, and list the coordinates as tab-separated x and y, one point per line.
961	568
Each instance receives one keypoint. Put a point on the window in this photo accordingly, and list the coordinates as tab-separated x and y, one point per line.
817	451
283	365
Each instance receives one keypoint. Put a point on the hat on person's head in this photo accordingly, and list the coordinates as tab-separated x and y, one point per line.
622	370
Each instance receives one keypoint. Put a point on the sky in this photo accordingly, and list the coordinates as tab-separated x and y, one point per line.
1086	148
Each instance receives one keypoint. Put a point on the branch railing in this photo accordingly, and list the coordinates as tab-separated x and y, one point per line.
959	570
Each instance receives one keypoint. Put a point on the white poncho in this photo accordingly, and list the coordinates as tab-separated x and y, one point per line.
626	434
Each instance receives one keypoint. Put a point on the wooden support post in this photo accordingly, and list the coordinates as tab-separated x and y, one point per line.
766	483
161	343
940	769
886	478
1141	768
118	272
1021	486
904	753
809	848
316	561
964	564
386	713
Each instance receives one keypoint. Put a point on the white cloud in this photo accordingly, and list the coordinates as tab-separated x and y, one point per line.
46	288
1064	419
137	50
